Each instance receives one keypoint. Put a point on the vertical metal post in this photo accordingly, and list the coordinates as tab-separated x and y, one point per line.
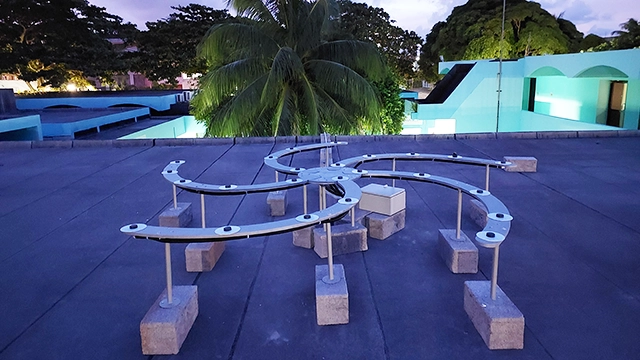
327	160
353	216
167	258
486	179
494	275
504	9
459	220
393	183
175	197
330	251
276	176
304	199
204	221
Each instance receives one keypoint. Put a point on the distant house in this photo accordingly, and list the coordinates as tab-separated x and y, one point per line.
128	81
585	91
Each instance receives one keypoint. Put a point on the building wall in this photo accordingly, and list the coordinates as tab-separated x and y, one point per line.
573	87
571	98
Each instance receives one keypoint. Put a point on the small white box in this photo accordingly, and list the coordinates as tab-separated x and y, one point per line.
383	199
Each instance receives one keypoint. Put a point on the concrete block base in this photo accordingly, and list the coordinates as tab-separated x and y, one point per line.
460	255
163	330
344	238
303	238
176	217
382	226
332	297
201	257
277	201
521	164
499	322
478	212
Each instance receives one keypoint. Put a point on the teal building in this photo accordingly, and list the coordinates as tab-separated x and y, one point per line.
584	91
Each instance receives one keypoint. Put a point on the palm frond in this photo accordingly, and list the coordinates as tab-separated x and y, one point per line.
225	43
285	69
360	56
341	81
238	114
253	9
220	83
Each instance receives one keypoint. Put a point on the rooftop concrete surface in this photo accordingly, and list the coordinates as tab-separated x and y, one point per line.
74	287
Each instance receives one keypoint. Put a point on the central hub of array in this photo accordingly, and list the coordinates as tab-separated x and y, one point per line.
330	175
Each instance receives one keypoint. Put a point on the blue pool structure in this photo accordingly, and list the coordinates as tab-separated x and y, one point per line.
571	92
182	127
584	91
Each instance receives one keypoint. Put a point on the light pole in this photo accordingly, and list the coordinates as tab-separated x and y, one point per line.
504	7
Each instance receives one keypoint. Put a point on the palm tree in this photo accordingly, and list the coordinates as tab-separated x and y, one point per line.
629	36
276	72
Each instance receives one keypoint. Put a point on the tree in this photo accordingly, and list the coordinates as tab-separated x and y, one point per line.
429	56
474	30
591	42
52	42
168	48
368	23
275	73
629	35
399	48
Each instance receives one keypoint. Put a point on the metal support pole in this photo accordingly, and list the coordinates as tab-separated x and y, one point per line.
167	256
175	197
353	216
486	180
204	221
393	183
304	198
459	220
330	251
276	176
326	157
494	276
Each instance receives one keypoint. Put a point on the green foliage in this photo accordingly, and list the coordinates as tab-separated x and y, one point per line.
280	71
473	31
398	46
429	57
368	23
591	42
629	35
54	41
392	113
168	48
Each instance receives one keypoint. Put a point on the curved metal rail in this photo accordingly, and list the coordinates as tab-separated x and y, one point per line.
351	196
499	219
272	159
339	180
171	174
413	156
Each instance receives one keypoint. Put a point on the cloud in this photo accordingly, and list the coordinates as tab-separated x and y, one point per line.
594	16
580	12
416	15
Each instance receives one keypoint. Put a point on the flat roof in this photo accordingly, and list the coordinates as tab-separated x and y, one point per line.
75	287
130	93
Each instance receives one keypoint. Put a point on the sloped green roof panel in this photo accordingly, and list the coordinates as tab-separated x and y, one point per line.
602	71
547	71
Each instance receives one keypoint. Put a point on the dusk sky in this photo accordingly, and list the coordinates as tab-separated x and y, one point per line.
600	17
